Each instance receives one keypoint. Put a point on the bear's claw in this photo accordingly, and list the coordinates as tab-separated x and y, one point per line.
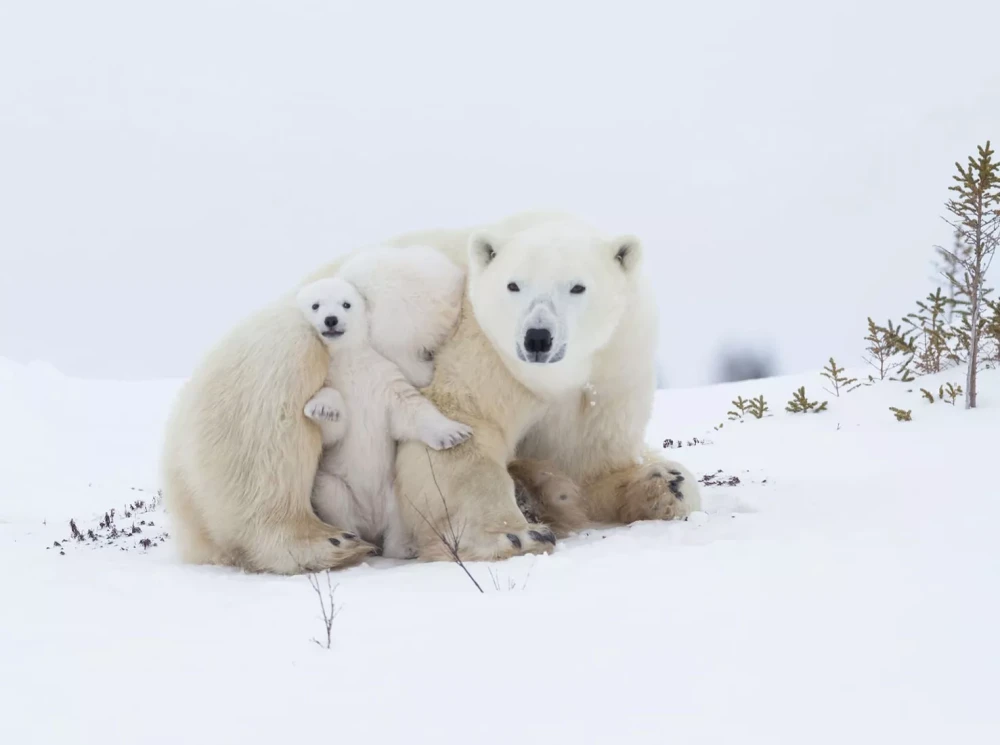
658	492
543	536
447	436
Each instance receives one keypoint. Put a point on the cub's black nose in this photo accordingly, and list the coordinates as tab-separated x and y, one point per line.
330	321
538	341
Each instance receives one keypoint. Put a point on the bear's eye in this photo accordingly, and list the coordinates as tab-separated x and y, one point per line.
578	289
315	306
512	286
347	305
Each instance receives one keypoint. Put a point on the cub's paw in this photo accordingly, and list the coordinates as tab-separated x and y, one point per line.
325	406
660	490
443	433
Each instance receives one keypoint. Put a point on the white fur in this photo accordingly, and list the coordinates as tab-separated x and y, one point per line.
354	483
544	406
545	264
240	456
413	297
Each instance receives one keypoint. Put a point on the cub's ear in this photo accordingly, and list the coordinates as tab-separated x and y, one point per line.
627	252
482	250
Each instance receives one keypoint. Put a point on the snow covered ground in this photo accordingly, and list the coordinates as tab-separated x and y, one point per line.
844	590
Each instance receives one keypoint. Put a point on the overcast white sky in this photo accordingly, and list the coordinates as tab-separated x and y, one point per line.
165	168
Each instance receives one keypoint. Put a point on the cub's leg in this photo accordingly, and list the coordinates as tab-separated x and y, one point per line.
327	409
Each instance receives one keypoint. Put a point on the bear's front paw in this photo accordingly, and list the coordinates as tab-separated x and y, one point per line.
325	406
323	413
444	434
660	491
535	539
502	542
334	549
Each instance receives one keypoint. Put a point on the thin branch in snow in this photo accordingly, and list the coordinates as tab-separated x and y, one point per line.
452	539
326	604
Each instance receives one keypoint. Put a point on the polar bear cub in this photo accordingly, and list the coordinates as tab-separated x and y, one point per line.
368	404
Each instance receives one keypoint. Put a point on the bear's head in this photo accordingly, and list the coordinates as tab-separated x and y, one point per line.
336	310
551	296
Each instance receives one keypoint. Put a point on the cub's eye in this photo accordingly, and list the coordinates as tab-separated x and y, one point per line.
346	306
513	287
578	289
315	306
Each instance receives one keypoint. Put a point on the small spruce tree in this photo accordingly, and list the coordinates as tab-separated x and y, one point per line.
879	349
800	403
931	338
741	406
882	348
975	218
902	415
949	393
890	350
837	378
758	407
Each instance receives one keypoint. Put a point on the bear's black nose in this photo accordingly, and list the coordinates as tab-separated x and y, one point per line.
538	341
330	321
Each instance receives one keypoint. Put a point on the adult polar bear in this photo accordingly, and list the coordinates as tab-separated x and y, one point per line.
552	361
559	371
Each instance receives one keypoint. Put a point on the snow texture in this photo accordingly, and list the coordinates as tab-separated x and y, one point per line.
840	586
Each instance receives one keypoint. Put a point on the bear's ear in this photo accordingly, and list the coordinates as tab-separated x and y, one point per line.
627	251
482	250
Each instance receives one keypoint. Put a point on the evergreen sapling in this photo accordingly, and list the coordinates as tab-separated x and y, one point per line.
800	403
758	407
741	406
949	393
902	415
837	378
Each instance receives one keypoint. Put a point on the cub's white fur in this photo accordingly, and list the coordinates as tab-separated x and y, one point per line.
367	404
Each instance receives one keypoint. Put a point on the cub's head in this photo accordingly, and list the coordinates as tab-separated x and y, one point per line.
551	296
336	310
